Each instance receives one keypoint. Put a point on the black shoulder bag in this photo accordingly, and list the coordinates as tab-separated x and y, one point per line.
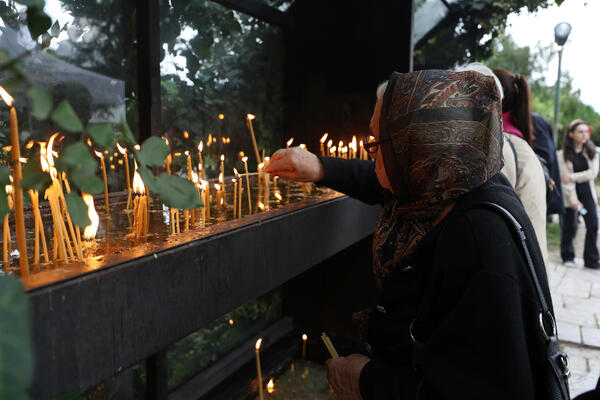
557	362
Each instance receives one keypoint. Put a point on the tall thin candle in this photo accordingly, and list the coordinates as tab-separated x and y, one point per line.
245	160
249	118
259	369
17	177
103	166
123	151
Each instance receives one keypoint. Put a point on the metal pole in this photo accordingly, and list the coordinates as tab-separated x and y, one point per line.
557	97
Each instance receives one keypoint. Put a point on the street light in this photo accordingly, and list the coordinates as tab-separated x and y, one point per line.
561	34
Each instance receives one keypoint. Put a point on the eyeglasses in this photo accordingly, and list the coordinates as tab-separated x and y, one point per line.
371	145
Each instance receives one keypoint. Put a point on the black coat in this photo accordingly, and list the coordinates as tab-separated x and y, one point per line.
482	337
543	145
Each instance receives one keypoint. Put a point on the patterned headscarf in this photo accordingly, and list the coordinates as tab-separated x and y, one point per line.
442	138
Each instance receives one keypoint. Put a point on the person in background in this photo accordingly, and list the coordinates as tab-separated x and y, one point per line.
452	279
522	166
578	163
543	145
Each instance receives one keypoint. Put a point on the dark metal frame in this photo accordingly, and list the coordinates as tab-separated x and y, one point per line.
81	338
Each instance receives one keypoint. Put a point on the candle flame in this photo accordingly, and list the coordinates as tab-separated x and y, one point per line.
23	160
330	143
217	186
244	159
122	150
241	154
221	116
324	137
186	135
98	154
49	153
7	148
333	149
120	162
137	147
8	189
29	144
222	157
261	205
230	322
261	166
267	159
224	140
250	116
6	97
302	146
187	152
89	232
277	195
166	140
194	177
270	386
361	143
235	172
304	337
200	146
138	183
340	144
221	177
289	142
89	142
258	343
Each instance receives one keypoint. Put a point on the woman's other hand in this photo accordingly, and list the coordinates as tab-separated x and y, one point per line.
343	374
296	164
566	178
575	204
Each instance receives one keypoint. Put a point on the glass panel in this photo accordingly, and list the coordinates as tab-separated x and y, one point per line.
428	13
129	384
91	62
218	66
201	349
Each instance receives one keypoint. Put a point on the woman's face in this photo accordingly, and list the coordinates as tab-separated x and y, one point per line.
580	134
379	166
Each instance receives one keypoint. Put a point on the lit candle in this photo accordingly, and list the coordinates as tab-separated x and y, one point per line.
353	146
332	151
6	239
270	386
17	176
101	157
201	167
189	164
304	339
123	151
322	143
140	205
289	143
245	160
340	147
234	196
258	368
218	189
249	118
329	144
222	178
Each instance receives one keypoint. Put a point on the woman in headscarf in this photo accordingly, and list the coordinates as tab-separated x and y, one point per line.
457	313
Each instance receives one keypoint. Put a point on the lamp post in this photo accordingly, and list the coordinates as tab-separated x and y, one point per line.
561	34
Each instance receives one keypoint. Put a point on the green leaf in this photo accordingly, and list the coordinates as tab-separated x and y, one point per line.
177	192
65	117
88	183
36	181
41	102
55	30
77	209
153	152
37	21
4	176
3	205
16	349
77	157
149	179
126	133
103	135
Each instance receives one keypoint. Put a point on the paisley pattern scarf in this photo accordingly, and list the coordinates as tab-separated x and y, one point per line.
442	134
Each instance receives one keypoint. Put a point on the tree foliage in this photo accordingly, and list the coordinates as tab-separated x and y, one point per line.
467	32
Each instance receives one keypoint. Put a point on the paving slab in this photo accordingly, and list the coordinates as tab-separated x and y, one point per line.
590	337
575	287
569	332
577	317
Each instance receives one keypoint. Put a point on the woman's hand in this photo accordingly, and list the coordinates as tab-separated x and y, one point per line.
575	204
343	374
296	164
566	178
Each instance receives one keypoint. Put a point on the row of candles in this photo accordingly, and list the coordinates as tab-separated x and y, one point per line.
270	385
67	241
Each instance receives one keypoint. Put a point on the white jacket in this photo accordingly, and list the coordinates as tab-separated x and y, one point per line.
527	178
568	189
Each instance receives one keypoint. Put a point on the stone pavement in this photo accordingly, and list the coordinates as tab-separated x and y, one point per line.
576	299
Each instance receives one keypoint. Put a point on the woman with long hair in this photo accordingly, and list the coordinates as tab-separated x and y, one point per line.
578	163
521	165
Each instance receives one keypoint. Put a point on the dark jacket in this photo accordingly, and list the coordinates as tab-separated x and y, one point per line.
482	337
543	145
